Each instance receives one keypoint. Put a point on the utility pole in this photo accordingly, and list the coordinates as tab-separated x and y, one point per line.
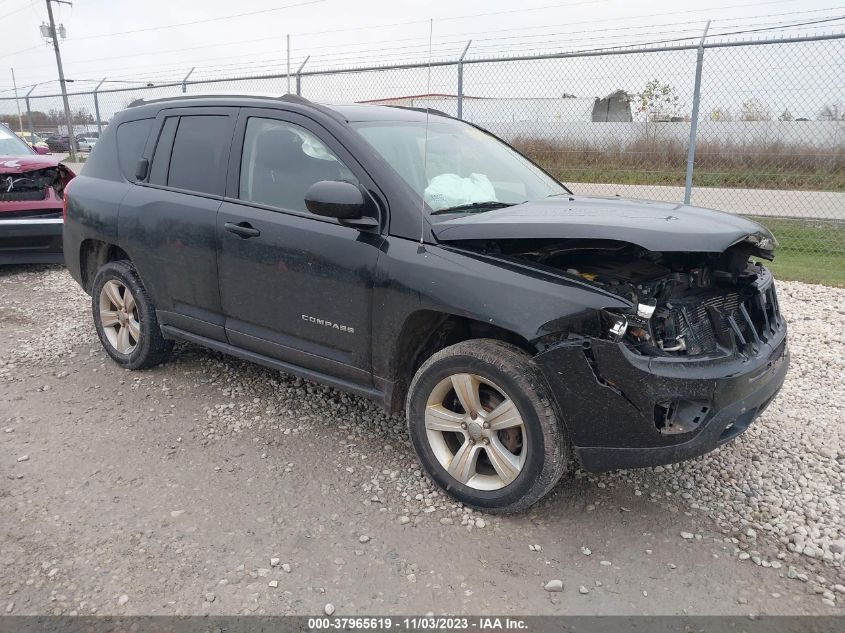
55	37
17	103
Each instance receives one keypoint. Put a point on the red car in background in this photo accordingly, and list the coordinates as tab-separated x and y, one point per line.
31	193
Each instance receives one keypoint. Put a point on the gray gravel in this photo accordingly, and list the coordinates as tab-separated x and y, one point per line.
773	498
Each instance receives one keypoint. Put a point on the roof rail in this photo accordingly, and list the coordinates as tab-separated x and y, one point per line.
289	98
286	97
423	110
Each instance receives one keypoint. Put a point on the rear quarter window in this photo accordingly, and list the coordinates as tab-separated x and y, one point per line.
131	137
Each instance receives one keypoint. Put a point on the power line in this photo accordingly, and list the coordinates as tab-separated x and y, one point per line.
23	8
362	60
392	54
367	27
23	50
581	50
696	32
442	46
463	39
523	10
203	21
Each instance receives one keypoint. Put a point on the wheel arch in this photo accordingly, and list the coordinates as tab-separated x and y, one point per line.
426	332
93	254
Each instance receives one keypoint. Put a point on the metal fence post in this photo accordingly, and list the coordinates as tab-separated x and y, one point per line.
97	108
29	114
461	81
696	101
299	77
184	84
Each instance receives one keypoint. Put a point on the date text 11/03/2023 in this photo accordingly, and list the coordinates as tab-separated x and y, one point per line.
424	623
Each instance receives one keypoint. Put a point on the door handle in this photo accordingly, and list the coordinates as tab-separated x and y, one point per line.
242	229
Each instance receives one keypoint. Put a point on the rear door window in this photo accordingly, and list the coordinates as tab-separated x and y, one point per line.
199	155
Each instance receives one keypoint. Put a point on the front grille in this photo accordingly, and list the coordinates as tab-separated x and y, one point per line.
757	320
12	196
726	319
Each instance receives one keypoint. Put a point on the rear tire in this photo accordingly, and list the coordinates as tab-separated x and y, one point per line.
125	318
484	426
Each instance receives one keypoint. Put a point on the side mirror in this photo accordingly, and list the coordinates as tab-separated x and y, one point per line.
335	199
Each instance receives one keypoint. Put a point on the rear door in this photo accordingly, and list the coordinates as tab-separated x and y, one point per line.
168	223
297	287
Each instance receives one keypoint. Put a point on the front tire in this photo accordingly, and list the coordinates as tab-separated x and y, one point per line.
483	425
125	318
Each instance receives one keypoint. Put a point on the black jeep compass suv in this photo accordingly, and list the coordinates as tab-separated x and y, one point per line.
420	261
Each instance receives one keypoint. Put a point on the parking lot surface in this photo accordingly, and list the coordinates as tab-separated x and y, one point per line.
209	485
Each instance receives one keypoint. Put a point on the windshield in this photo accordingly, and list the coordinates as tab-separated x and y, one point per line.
464	167
11	145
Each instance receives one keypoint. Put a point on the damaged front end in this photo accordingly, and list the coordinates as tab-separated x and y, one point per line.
697	354
37	185
684	304
31	200
681	304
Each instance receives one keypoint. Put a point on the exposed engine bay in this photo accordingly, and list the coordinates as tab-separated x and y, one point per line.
33	185
683	304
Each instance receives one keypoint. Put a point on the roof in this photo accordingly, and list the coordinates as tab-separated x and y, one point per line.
348	112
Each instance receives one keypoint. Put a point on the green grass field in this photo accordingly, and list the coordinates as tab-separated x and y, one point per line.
794	180
812	251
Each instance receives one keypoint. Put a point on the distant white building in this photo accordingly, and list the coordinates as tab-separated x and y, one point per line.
615	107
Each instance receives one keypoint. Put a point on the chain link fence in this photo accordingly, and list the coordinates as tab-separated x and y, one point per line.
769	139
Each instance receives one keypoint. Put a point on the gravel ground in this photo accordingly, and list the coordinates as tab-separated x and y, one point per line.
204	484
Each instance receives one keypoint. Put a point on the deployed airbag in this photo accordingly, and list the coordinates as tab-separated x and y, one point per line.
451	190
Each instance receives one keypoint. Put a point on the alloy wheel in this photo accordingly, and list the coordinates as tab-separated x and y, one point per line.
476	432
119	316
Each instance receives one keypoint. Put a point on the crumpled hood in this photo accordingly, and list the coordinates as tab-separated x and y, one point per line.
23	164
655	226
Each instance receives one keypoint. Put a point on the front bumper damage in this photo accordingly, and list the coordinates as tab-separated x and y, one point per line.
625	410
31	193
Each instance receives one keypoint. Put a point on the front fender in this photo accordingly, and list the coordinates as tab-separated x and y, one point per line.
525	301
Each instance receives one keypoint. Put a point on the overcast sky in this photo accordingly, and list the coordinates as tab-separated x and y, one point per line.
149	40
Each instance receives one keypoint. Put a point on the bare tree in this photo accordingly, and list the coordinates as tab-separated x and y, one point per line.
832	112
755	110
55	116
82	115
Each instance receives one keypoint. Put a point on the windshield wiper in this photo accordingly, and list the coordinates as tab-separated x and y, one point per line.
475	206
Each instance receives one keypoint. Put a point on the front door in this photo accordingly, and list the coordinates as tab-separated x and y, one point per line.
294	286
